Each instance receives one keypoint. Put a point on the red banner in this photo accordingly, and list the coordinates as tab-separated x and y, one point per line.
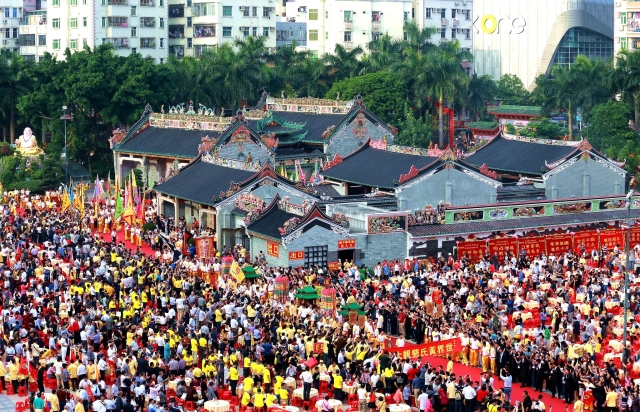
273	249
205	247
635	236
297	255
474	249
559	244
318	347
502	246
534	245
346	244
611	238
441	348
588	238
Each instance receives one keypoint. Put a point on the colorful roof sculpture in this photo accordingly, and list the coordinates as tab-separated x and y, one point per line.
352	307
307	293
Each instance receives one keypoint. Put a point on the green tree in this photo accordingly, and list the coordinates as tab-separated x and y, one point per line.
543	128
609	131
482	89
14	83
511	91
626	80
382	93
418	39
416	132
384	53
446	79
342	63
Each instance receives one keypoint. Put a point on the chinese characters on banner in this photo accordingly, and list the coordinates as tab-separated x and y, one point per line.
558	244
346	244
503	246
534	246
635	236
589	238
273	249
334	266
318	347
440	348
205	247
298	255
611	238
474	249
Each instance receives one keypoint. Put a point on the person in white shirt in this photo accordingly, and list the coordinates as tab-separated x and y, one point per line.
422	401
307	381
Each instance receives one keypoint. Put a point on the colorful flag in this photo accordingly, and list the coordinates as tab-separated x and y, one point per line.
140	211
97	188
108	184
66	201
296	177
185	241
24	366
236	272
303	175
119	207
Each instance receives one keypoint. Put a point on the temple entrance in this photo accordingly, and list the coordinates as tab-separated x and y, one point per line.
346	254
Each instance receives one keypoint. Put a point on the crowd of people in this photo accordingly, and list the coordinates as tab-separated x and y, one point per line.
97	326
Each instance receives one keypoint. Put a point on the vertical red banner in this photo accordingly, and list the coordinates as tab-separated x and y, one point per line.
533	245
502	246
635	236
588	238
559	244
611	238
474	249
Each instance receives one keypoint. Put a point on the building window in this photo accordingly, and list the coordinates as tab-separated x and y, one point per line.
188	3
245	11
104	22
453	33
347	15
73	44
54	3
326	35
467	34
15	33
73	22
226	32
443	13
245	31
134	32
453	13
27	40
406	16
266	12
133	10
313	54
623	43
161	22
161	60
6	12
55	23
42	40
467	14
301	34
73	2
313	14
313	35
427	12
7	33
84	22
227	11
189	42
443	33
265	32
56	44
161	43
326	14
254	11
84	43
623	18
134	50
579	41
347	36
189	22
254	32
316	256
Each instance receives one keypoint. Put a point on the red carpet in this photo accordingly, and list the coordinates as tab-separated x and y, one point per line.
516	390
146	249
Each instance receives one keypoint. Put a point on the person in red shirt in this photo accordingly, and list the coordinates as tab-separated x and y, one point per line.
482	393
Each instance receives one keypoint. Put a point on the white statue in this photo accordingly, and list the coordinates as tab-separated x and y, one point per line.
27	144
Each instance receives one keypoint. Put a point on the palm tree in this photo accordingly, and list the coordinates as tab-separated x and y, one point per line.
446	79
384	52
14	82
343	63
416	38
284	63
309	79
626	80
481	89
597	86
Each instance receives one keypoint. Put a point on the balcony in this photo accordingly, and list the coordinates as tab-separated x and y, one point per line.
348	45
118	42
117	22
117	2
348	24
147	3
375	25
176	32
147	22
148	43
200	31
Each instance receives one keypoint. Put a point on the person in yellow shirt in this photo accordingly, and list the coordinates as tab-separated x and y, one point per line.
246	399
258	400
233	378
14	370
337	385
270	400
266	379
248	383
284	396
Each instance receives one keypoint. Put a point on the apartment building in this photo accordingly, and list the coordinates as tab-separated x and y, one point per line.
195	26
32	35
132	26
11	15
453	19
626	25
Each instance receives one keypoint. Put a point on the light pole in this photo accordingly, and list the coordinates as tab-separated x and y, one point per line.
65	117
626	274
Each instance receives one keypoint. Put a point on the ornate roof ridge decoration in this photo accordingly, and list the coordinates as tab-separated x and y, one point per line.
202	119
337	159
340	219
289	226
234	164
553	142
142	123
273	118
314	212
271	140
410	150
265	210
584	145
299	210
413	172
485	171
448	155
252	204
207	144
380	144
233	188
312	103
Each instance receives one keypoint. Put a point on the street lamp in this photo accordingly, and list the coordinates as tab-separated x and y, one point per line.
626	274
65	117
